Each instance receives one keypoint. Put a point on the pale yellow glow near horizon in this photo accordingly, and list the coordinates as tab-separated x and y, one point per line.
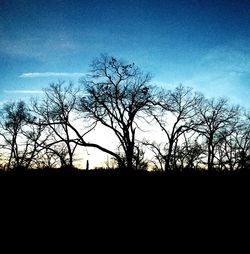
105	137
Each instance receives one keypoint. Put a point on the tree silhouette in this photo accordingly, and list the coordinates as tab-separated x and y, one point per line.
236	147
20	137
196	133
174	112
117	94
190	152
57	112
216	121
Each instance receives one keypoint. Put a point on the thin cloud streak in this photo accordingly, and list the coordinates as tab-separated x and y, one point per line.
51	74
23	91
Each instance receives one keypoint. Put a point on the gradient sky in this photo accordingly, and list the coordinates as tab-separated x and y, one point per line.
200	43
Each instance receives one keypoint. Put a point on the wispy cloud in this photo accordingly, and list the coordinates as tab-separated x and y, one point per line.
23	91
31	46
228	62
55	46
51	74
227	59
222	71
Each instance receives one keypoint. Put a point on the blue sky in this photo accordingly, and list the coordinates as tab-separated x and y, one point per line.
203	44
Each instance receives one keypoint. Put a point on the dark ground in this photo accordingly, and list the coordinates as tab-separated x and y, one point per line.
109	193
69	172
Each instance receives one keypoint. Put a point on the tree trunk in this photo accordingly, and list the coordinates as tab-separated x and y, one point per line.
170	149
12	154
130	154
209	159
212	157
70	159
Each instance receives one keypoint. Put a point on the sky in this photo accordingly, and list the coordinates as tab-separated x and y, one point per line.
199	43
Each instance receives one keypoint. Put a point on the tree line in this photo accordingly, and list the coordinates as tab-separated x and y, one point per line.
196	133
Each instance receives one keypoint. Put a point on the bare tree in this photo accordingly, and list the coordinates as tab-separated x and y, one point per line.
57	112
20	137
243	142
175	113
119	98
216	121
190	152
117	94
159	152
236	147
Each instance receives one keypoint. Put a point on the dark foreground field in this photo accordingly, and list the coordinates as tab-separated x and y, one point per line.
122	173
105	188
